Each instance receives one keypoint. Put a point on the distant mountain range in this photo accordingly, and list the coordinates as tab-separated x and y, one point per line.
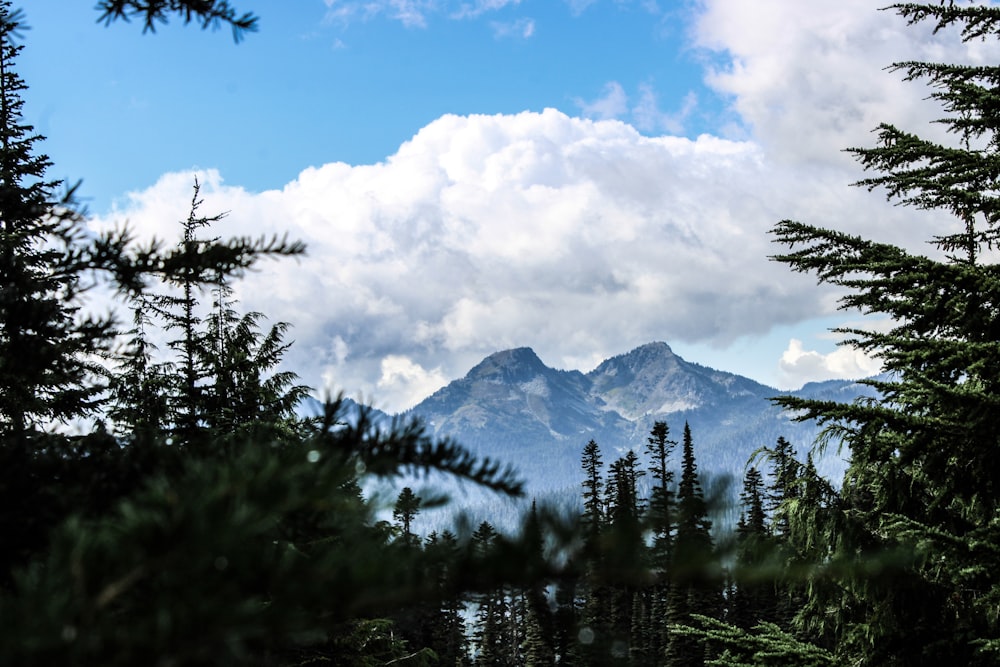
513	408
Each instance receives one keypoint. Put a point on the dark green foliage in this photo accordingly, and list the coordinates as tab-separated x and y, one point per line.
661	503
208	526
593	510
263	534
407	507
47	352
920	498
695	583
764	644
746	600
209	13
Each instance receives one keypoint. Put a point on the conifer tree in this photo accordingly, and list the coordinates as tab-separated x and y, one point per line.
209	13
660	519
262	554
447	629
46	353
695	588
659	446
407	507
593	470
921	493
246	393
754	599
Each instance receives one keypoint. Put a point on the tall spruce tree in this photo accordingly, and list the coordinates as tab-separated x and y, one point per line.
694	587
922	491
660	519
407	507
47	352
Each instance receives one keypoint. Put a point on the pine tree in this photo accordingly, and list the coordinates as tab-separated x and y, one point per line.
783	487
659	446
695	588
660	519
209	13
407	507
593	470
117	554
921	493
247	397
447	632
754	599
47	354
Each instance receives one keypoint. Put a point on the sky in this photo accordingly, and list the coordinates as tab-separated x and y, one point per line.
576	176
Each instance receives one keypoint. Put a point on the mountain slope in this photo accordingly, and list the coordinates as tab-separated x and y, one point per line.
513	408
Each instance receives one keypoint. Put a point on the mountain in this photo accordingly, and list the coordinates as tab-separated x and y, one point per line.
513	408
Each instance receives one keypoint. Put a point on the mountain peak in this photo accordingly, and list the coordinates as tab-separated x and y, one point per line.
645	356
654	349
514	365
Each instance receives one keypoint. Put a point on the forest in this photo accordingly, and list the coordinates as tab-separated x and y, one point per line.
166	505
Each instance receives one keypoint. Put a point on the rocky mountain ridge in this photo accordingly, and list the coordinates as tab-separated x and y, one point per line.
513	408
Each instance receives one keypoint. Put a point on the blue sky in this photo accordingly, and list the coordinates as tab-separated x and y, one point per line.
577	176
313	87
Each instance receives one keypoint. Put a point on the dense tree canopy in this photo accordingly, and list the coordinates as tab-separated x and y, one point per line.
922	492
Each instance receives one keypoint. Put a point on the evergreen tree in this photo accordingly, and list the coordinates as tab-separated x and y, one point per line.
921	493
407	507
624	559
245	392
121	554
784	483
754	599
447	629
47	370
209	13
659	446
660	519
593	470
140	389
539	626
695	587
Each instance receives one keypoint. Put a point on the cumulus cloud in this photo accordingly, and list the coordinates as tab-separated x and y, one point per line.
808	79
579	238
799	365
407	380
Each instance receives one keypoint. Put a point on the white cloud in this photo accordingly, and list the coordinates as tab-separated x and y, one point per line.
613	103
408	381
480	7
523	28
579	238
798	365
414	13
648	117
808	78
411	13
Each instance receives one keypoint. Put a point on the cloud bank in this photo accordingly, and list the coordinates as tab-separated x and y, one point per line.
581	237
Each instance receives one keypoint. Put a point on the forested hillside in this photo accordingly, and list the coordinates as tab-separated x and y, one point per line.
167	506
